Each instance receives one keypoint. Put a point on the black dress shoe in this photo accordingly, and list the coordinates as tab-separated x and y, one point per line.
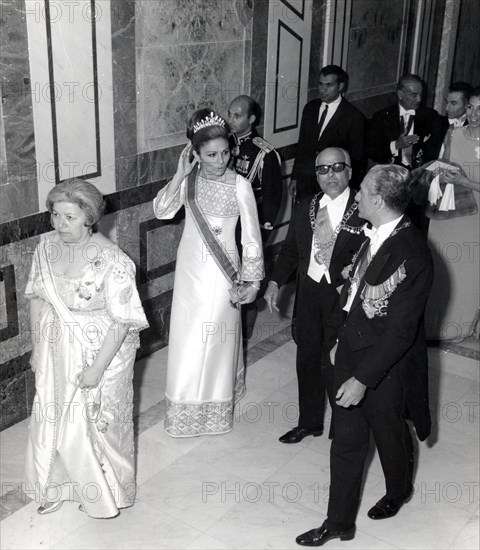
297	434
386	508
321	535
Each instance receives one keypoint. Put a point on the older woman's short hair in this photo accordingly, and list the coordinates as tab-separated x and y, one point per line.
82	193
393	183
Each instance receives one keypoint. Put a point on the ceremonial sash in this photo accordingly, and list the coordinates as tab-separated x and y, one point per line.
215	247
51	290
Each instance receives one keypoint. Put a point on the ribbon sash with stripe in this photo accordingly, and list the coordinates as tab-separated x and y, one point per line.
215	247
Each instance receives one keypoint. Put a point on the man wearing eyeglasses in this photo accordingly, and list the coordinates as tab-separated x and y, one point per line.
328	121
324	233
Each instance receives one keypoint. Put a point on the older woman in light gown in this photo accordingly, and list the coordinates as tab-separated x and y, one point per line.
85	316
205	375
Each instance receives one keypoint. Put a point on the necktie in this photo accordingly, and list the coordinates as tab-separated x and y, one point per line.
322	120
407	122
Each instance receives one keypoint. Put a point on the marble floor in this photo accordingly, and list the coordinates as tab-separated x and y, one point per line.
244	489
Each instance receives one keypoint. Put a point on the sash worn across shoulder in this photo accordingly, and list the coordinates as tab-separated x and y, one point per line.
211	241
51	290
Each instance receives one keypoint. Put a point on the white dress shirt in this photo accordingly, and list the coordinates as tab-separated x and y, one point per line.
377	237
332	107
405	113
336	210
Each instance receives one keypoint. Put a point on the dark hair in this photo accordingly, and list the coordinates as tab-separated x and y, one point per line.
342	77
463	87
474	93
253	108
82	193
394	184
408	78
208	133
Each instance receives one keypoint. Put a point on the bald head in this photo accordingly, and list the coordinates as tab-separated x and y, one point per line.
243	114
338	151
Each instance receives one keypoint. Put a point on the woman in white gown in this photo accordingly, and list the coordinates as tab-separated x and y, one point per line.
85	316
205	376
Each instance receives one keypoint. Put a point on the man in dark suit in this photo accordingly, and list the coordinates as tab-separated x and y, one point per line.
380	372
329	121
455	107
323	235
402	133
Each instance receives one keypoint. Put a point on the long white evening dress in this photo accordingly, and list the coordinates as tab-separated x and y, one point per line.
205	375
81	443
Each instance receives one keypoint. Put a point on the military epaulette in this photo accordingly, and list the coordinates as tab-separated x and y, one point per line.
263	144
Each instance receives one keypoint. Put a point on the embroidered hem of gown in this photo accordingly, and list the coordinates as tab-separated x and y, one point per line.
206	418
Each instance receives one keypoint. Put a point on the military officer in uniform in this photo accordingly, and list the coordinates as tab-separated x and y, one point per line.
256	160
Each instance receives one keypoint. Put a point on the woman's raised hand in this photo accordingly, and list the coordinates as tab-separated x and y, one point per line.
184	166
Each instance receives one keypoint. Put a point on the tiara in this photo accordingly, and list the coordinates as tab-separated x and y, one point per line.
211	120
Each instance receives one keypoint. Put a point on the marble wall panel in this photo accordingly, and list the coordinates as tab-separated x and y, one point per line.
162	243
173	22
18	192
124	84
18	255
176	80
190	54
13	400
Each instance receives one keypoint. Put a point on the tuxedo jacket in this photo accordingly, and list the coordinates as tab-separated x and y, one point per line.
296	249
345	129
385	126
376	348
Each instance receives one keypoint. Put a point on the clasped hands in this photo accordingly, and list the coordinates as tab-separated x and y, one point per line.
244	293
450	175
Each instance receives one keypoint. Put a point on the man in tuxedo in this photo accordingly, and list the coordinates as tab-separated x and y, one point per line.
402	133
329	121
455	107
323	235
380	372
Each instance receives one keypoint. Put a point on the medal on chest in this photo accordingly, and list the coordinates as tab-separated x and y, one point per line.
243	164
